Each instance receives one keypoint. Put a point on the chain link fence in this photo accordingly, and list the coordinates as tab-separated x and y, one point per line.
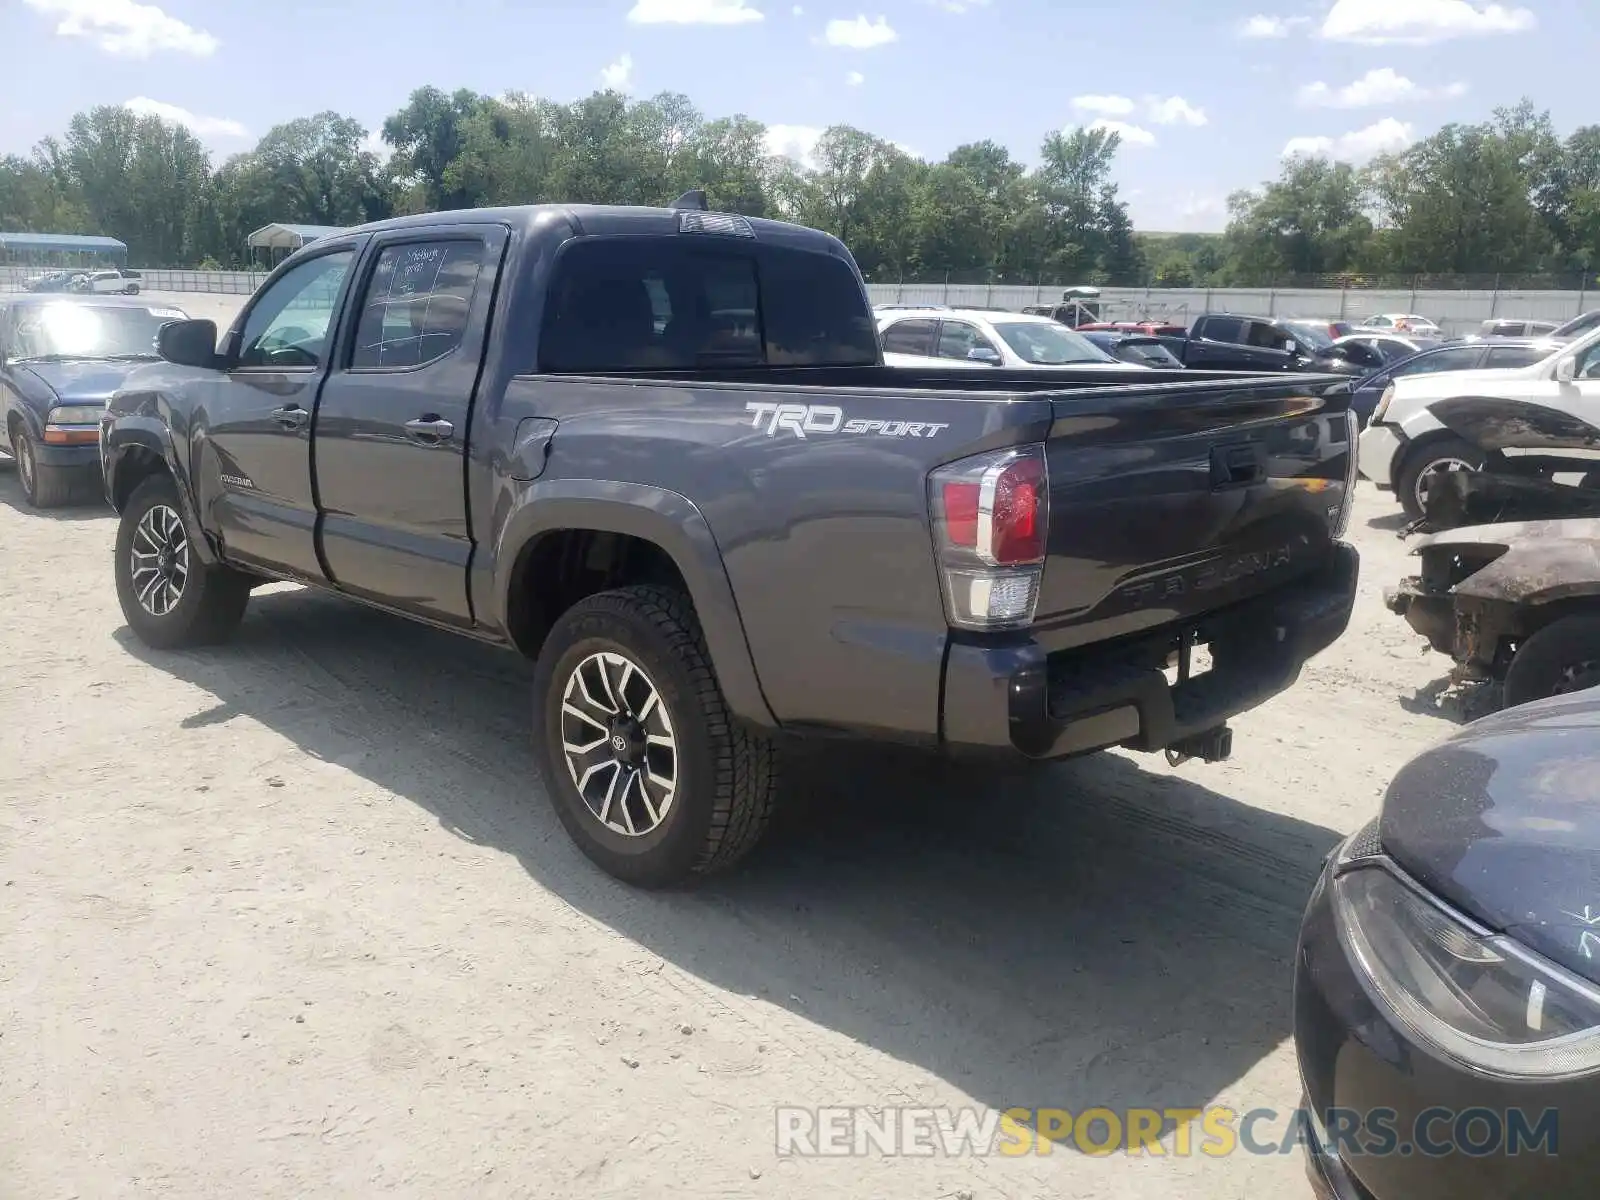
1457	311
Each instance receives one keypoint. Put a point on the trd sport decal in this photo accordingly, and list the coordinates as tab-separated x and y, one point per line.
802	420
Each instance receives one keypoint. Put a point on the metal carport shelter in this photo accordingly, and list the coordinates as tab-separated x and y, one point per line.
61	250
279	241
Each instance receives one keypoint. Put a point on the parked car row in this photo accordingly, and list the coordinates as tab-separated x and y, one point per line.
106	282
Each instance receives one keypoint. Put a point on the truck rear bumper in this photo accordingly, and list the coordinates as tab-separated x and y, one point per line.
1016	697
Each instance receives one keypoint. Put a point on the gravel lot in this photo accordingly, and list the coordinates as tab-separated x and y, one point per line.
293	917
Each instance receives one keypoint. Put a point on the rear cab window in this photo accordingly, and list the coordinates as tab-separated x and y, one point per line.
677	304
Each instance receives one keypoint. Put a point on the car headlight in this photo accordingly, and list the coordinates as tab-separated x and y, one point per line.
1383	405
1340	519
1477	998
75	414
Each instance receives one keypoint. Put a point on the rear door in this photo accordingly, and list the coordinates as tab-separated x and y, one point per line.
253	478
391	426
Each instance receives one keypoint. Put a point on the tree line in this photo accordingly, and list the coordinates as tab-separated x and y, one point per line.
1506	197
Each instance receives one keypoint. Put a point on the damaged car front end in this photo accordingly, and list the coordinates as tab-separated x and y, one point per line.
1525	447
1515	603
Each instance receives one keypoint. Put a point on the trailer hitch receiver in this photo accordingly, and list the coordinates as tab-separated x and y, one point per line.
1211	745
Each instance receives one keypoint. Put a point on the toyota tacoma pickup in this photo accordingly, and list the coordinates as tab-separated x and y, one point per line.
658	452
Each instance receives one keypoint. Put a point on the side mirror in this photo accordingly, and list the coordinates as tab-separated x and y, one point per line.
1567	369
188	343
984	355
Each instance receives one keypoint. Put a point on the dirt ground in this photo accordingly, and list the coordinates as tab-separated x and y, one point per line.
293	917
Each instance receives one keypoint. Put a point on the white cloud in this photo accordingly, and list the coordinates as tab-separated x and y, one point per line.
1170	110
796	142
1377	22
126	28
1111	106
1174	110
1132	135
798	11
693	12
1380	86
959	6
373	143
201	127
1381	137
859	33
855	79
1267	27
618	76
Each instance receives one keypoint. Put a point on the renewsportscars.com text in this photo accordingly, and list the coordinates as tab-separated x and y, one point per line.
1214	1132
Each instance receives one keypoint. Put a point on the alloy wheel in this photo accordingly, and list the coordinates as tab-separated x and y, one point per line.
1439	466
160	560
619	745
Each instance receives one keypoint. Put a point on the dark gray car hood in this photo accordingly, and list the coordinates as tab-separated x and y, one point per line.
1503	821
85	381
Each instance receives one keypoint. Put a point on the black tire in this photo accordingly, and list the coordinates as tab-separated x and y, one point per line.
726	777
1562	657
42	486
131	290
211	599
1425	457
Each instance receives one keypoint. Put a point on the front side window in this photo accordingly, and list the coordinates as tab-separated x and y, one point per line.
288	325
957	339
417	303
631	304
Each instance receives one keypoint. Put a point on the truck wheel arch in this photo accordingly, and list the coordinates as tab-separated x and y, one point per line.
666	540
141	447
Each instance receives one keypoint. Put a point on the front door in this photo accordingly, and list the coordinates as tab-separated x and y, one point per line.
391	425
252	470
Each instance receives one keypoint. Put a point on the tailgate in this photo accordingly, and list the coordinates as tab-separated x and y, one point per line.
1173	500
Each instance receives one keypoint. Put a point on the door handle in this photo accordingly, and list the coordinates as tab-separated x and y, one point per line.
430	430
291	416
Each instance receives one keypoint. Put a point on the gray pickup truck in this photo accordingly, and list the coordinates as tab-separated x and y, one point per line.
658	451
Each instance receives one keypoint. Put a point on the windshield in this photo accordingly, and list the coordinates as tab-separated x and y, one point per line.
90	331
1578	326
1151	353
1313	333
1048	344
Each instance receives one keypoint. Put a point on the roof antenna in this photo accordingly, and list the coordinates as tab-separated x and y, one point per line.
694	200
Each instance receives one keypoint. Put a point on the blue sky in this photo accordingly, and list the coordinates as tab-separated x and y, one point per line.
1210	95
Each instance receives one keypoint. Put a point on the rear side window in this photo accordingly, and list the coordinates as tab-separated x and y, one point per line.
417	303
1462	358
1513	356
669	304
1222	329
910	337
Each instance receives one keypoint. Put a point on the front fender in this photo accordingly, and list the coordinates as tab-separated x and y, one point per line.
126	442
654	514
1533	562
1419	423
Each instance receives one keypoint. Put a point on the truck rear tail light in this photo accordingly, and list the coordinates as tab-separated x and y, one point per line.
991	517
